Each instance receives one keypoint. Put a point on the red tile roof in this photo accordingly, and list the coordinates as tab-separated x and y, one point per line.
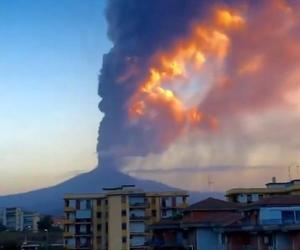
278	200
214	219
212	204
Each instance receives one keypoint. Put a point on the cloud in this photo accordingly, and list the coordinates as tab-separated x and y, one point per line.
258	146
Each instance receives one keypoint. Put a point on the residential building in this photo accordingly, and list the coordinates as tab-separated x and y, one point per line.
30	221
272	223
16	219
117	218
249	195
198	229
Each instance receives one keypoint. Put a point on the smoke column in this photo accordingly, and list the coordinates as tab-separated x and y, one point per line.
137	29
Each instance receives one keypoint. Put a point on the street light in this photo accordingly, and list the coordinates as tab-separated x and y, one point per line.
47	238
25	233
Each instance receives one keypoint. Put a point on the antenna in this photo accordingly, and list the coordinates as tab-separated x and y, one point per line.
289	170
209	183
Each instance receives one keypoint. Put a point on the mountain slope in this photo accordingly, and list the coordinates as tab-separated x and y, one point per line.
50	200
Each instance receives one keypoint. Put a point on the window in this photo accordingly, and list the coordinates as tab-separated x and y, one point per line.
88	204
106	228
124	212
124	226
249	198
297	216
163	202
99	203
77	204
153	212
153	201
123	199
99	227
124	239
288	216
99	215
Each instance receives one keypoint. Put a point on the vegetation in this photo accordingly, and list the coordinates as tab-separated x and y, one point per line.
45	223
13	240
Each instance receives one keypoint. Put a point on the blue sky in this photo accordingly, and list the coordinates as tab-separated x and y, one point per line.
51	53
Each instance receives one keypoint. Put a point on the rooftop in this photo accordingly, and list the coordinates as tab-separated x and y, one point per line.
124	189
212	204
271	188
278	200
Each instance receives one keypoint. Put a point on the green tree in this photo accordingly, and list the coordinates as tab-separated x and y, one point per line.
45	223
2	227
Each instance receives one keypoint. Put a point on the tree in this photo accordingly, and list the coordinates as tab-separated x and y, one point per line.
45	223
2	227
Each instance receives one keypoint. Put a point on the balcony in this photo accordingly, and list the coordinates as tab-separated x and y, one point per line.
137	233
138	217
68	234
69	209
138	205
87	233
68	221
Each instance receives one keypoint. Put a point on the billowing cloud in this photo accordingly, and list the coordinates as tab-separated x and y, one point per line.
201	88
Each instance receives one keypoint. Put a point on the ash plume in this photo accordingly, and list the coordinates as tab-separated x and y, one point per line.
137	30
184	68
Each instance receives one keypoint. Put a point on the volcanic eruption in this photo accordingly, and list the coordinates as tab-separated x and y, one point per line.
194	86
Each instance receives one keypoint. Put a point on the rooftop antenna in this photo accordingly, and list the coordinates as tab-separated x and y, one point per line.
209	183
289	170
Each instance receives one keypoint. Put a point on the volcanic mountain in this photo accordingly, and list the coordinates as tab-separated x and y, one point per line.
50	200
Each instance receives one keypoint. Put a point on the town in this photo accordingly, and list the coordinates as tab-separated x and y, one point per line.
128	218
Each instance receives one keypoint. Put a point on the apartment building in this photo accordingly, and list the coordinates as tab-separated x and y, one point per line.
272	223
117	218
16	219
249	195
200	228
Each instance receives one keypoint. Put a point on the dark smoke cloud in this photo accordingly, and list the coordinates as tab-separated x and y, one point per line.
137	29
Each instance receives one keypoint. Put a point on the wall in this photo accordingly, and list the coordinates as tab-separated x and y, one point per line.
115	223
284	241
206	239
273	215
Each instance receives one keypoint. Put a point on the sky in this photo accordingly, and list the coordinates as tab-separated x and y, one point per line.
210	103
51	54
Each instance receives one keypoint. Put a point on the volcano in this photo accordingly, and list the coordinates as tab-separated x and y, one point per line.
50	200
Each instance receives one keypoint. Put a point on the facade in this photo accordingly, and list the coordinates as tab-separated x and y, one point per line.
269	224
118	218
249	195
200	227
17	219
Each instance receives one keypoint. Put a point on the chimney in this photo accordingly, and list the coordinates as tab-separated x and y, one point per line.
273	179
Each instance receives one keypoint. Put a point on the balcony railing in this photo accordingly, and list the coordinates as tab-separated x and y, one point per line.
83	233
138	217
138	204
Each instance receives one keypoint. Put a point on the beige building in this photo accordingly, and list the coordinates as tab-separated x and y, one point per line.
248	195
118	218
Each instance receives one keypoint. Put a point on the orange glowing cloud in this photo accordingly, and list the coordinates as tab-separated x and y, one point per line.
156	99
